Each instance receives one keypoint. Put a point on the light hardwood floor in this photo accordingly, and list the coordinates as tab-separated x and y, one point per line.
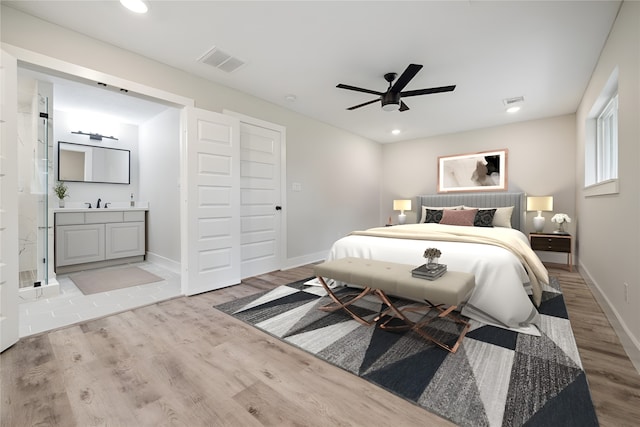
180	362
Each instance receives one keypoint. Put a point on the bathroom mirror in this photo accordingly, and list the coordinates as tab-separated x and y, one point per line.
88	163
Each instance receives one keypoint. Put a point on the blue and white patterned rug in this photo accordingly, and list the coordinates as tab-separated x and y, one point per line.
496	378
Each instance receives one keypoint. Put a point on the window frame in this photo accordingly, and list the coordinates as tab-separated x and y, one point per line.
607	142
601	142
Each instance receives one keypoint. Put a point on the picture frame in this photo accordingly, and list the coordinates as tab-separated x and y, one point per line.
481	171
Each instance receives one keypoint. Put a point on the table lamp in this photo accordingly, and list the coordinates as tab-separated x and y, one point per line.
402	205
539	203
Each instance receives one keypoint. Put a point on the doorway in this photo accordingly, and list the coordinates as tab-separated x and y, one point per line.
180	105
150	130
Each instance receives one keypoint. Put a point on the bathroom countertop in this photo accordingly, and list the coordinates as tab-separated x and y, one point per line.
128	208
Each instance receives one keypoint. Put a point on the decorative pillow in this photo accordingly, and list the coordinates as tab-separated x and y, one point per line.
484	218
502	217
459	217
436	208
433	215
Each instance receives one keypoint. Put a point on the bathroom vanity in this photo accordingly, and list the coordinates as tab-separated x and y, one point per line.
89	238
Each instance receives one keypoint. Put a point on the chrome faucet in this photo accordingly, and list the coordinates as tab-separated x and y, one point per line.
98	204
88	204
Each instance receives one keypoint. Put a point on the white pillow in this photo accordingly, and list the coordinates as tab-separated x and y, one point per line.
439	208
502	217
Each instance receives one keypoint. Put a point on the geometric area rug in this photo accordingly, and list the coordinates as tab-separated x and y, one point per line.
497	377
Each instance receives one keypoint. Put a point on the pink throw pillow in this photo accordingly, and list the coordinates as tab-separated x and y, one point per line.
463	217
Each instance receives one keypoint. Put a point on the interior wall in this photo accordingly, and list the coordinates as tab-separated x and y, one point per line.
159	152
306	138
540	162
609	230
339	176
89	192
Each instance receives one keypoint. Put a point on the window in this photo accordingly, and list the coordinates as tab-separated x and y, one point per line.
601	144
607	142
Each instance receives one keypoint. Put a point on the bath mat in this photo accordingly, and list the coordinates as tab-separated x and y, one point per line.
96	281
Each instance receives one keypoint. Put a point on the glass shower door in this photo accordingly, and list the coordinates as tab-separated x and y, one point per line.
34	169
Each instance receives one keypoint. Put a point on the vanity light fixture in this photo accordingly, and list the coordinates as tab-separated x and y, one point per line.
137	6
95	136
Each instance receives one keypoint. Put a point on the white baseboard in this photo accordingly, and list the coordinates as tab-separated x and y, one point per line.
305	259
629	342
169	264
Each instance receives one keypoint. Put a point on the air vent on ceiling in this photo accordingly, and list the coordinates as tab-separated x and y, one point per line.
221	60
511	101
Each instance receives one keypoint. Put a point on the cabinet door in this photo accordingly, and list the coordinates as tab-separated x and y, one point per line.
77	244
124	239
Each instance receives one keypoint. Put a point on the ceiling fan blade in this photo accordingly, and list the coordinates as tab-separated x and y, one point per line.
406	77
427	91
403	106
359	89
363	104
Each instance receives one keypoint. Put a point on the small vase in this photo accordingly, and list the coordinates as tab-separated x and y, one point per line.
61	203
432	263
560	229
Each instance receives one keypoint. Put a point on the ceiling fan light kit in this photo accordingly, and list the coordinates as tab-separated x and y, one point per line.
391	100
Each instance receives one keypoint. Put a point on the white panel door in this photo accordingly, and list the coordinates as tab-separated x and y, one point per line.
211	243
260	198
8	201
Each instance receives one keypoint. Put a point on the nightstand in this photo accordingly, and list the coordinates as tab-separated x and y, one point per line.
553	242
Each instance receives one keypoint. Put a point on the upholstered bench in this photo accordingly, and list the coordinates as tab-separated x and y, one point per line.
385	279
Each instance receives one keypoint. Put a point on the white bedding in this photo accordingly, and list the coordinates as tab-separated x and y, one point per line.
500	297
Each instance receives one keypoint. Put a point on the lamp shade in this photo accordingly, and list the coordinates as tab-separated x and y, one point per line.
402	205
540	203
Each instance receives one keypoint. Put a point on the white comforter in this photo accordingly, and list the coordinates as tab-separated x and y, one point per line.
500	297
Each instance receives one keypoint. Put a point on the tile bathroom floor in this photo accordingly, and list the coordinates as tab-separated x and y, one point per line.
72	306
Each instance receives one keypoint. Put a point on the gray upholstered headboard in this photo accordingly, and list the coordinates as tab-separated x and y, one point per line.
479	200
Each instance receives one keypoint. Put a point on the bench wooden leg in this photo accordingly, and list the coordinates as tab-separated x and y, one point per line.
444	313
344	302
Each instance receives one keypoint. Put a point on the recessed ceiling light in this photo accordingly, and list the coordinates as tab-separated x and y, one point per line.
137	6
513	104
396	132
290	98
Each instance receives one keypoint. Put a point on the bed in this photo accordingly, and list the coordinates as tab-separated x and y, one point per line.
509	275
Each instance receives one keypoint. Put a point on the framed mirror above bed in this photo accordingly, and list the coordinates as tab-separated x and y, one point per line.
483	171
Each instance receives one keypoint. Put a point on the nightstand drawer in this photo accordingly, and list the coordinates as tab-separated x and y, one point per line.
553	244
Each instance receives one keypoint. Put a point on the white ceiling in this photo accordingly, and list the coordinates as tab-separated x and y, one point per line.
542	50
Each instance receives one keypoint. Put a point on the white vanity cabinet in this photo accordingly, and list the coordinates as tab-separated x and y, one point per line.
98	238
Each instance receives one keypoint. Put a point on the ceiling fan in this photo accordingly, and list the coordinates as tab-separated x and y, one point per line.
391	99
